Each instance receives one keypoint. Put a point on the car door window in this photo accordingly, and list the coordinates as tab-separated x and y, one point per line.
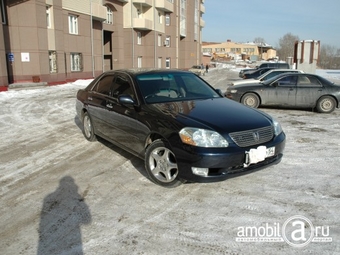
308	81
287	81
104	84
120	86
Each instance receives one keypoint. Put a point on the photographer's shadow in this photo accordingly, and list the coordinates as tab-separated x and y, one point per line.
63	213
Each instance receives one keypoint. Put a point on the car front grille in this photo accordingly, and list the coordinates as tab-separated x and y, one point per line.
253	136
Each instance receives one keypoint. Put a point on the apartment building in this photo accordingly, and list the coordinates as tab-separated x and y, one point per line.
57	41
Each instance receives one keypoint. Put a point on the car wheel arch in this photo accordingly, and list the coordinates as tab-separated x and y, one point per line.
161	164
83	111
153	137
317	103
251	92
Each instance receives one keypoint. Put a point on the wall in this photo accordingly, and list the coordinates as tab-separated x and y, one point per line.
306	55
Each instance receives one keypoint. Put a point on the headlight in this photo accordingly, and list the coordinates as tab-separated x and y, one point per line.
202	138
277	127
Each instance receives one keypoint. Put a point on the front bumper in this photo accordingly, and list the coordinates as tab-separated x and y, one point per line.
224	164
233	96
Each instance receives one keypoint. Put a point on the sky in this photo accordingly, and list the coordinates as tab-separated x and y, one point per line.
245	20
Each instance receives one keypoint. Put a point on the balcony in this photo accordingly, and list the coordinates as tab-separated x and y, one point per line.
202	23
164	5
98	12
143	2
202	8
142	24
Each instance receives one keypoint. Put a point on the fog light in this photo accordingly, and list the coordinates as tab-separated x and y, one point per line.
200	171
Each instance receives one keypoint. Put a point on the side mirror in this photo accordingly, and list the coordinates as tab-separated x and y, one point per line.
219	92
126	100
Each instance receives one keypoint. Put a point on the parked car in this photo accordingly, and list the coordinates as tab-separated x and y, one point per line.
256	73
278	65
197	69
297	90
182	128
266	76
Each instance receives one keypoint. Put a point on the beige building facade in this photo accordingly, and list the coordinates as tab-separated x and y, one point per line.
57	41
234	51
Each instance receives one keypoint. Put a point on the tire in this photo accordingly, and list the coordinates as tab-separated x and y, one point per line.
88	129
251	100
326	104
161	165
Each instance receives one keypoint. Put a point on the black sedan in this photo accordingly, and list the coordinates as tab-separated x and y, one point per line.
294	90
179	125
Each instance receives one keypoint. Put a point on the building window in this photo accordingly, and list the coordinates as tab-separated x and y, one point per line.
109	16
160	18
159	40
183	18
76	62
73	24
139	13
196	20
53	61
167	19
139	62
159	63
49	16
3	12
167	41
220	50
139	38
167	63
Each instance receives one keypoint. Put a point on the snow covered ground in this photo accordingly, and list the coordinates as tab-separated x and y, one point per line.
61	194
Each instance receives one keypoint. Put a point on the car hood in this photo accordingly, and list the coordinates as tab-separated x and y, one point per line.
247	81
219	114
254	85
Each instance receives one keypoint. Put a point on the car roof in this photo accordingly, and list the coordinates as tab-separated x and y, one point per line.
137	71
295	74
285	70
280	70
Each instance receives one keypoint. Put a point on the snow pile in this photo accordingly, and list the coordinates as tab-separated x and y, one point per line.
82	82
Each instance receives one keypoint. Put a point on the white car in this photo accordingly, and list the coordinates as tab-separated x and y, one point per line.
267	75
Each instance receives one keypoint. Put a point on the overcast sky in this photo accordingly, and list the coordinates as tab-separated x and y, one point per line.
244	20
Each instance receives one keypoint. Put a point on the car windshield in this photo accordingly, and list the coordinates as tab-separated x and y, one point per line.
168	87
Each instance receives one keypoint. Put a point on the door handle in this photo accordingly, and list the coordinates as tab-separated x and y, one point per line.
109	106
90	98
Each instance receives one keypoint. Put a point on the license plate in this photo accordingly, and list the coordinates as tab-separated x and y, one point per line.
259	154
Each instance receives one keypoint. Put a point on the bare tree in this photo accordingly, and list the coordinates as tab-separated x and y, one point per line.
329	57
286	46
259	40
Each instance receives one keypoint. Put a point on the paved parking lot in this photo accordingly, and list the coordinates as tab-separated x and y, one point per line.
63	194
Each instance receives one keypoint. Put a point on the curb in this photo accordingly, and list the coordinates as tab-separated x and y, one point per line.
27	85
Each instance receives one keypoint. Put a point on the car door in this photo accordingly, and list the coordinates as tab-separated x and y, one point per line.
126	127
96	103
309	90
281	92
